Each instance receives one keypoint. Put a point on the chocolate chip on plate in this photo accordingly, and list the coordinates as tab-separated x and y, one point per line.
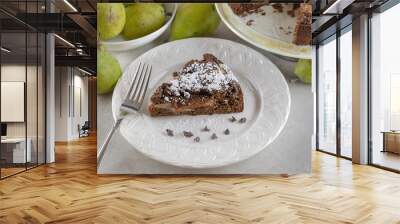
242	120
227	132
205	129
187	134
169	132
232	119
214	136
197	139
250	22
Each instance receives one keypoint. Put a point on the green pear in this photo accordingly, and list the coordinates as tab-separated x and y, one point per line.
108	72
194	20
143	19
110	20
303	70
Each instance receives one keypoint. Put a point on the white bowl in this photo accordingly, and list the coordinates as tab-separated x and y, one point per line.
120	44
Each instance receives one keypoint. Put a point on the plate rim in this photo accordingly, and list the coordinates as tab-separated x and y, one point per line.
218	7
202	165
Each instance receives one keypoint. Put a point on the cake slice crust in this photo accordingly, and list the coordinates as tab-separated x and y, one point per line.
202	87
302	32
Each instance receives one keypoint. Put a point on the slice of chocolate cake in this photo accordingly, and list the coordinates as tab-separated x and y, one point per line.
204	86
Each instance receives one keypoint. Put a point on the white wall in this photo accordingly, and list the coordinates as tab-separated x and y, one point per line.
61	103
34	124
12	73
67	115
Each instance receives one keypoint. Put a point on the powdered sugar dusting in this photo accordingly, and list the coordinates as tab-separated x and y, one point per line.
201	76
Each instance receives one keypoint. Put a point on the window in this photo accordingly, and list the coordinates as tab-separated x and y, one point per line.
385	89
394	102
334	106
346	75
327	96
22	77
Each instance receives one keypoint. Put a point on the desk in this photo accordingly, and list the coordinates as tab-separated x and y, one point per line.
391	141
13	150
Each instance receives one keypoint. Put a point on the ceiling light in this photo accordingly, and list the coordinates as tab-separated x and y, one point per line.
65	41
84	71
5	50
70	5
80	51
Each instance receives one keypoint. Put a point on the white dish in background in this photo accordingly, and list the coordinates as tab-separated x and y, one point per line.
266	99
265	32
120	44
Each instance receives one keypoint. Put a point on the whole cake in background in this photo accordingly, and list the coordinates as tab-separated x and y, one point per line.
302	12
206	86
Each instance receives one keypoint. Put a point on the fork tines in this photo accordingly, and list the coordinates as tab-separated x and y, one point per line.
137	88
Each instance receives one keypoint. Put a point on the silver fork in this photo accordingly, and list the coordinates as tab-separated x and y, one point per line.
133	100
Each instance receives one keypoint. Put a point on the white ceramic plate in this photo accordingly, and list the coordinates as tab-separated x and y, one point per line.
266	98
120	44
269	32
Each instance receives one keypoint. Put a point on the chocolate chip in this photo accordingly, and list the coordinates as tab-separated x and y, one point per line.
197	139
242	120
205	129
187	134
170	132
214	136
227	132
232	119
250	22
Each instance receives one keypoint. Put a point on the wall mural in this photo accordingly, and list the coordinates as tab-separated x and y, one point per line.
204	88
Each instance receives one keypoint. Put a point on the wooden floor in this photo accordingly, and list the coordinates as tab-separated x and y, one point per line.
11	170
69	191
387	159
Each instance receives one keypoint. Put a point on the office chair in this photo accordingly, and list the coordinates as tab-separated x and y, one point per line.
84	130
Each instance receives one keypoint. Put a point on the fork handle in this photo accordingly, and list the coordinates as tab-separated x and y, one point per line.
105	143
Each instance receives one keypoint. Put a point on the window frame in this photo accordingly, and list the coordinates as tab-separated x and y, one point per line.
334	37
